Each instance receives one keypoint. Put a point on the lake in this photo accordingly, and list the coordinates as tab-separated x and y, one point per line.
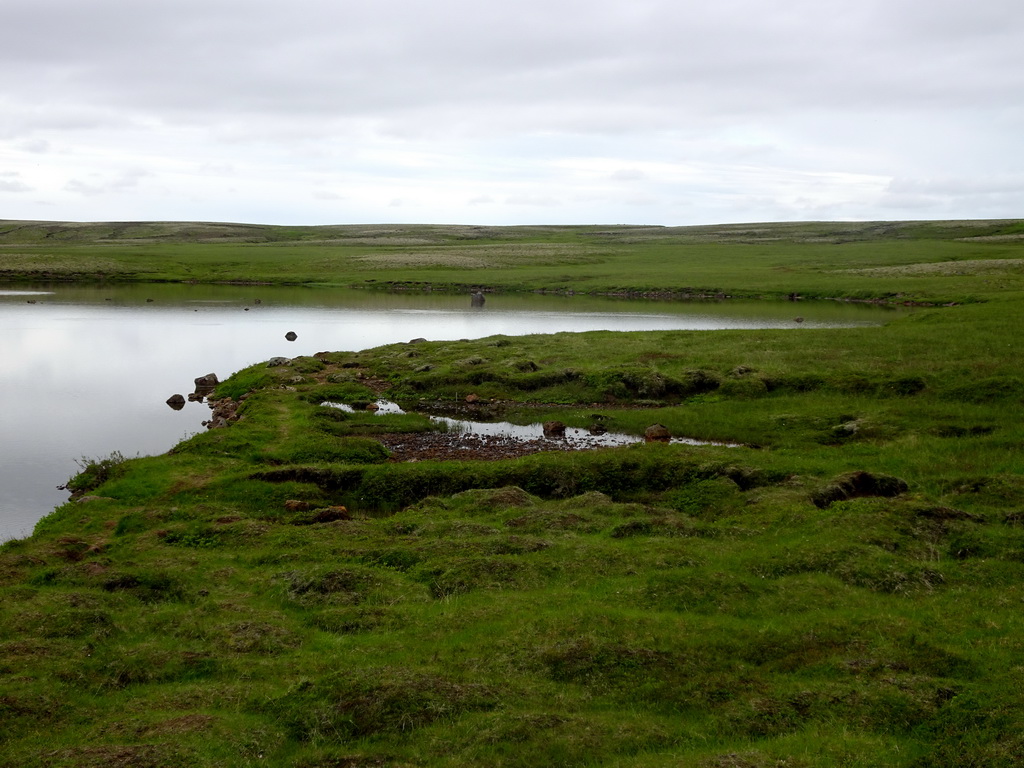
87	370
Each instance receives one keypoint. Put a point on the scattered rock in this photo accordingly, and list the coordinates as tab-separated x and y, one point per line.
295	505
291	335
657	433
224	413
420	340
477	299
798	319
598	429
276	361
206	384
177	402
424	368
472	398
553	429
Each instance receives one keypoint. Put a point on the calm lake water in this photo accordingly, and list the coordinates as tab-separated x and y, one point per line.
85	371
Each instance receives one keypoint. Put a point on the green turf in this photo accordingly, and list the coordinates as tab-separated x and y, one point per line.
843	588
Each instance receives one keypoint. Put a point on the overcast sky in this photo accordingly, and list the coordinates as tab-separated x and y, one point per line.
561	111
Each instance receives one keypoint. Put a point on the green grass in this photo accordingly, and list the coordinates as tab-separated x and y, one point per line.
843	588
893	261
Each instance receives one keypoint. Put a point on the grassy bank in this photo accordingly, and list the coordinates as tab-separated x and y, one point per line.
842	588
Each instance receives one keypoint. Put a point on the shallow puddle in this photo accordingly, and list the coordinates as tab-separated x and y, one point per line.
574	437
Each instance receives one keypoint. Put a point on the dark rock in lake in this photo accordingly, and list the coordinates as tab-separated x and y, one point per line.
291	335
657	433
477	299
177	402
553	429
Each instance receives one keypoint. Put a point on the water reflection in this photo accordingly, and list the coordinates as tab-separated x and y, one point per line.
91	367
575	437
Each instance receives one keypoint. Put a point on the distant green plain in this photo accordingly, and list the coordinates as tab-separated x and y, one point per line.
843	588
815	259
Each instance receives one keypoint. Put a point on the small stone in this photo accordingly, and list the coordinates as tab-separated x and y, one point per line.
553	429
657	433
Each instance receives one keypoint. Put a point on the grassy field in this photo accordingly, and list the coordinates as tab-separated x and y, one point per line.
844	588
928	261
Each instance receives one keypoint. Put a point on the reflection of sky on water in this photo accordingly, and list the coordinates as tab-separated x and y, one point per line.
83	376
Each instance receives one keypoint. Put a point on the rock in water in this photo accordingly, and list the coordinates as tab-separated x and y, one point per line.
291	335
657	433
177	402
554	429
206	384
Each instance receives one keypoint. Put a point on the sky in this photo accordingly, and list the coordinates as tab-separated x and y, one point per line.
535	112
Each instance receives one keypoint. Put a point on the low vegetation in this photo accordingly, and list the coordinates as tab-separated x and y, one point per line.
840	586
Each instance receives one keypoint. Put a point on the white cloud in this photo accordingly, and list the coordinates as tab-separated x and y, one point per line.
319	111
13	185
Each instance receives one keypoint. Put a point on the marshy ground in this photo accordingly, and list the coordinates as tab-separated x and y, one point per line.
844	588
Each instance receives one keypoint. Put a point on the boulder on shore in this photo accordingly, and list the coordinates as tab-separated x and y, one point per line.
206	384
